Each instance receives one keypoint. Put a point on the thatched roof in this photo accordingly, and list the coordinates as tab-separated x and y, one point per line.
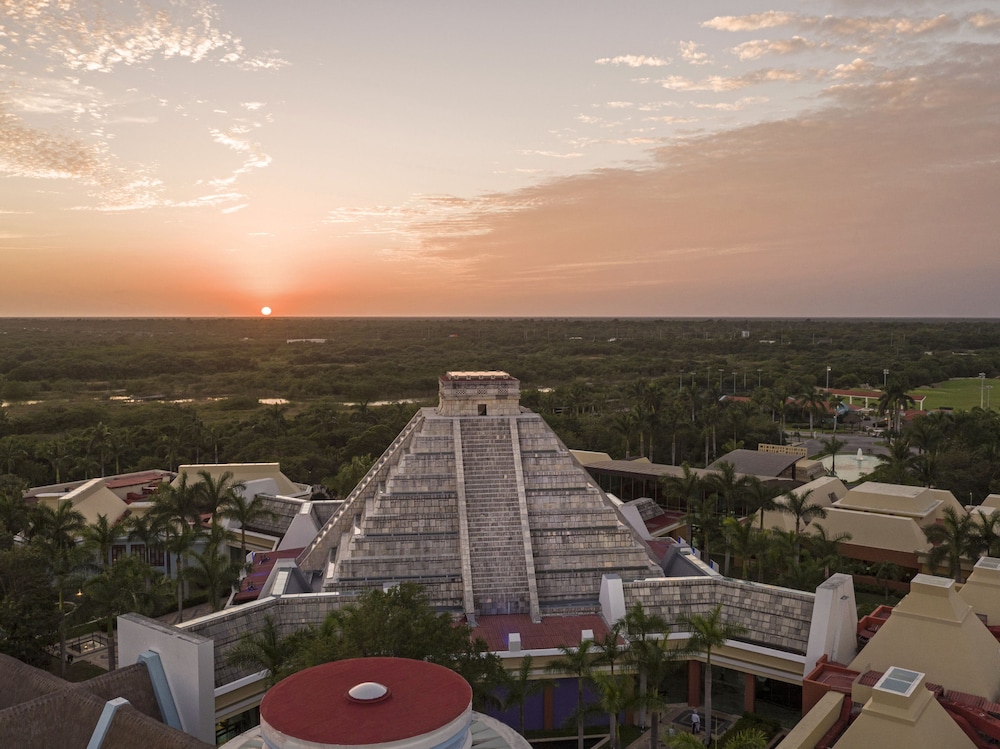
40	710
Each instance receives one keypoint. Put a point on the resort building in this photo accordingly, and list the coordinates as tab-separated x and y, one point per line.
480	502
926	672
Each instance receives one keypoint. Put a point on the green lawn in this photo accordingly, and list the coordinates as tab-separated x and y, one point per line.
961	394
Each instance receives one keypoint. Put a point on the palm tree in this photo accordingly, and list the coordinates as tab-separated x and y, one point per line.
576	662
609	650
729	487
262	651
11	453
709	632
654	659
614	696
760	496
147	529
101	537
519	688
886	571
129	585
824	547
898	466
625	424
56	454
747	738
15	517
176	509
831	446
926	469
99	437
925	433
213	493
987	537
57	532
893	401
703	517
641	629
212	570
813	403
245	511
800	505
744	541
652	403
954	539
685	488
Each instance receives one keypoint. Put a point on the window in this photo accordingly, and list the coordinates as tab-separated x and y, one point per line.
482	409
117	551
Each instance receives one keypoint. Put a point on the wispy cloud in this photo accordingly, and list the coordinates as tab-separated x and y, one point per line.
62	115
758	48
634	61
875	177
719	83
751	22
689	52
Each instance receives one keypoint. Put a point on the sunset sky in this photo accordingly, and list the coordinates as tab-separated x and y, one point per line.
569	158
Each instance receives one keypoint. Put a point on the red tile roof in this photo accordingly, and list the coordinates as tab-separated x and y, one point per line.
137	479
263	562
551	632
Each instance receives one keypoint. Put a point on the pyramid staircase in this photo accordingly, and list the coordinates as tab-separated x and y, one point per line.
496	519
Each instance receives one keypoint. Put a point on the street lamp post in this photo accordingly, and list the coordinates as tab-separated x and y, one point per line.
828	378
885	377
758	377
734	382
982	384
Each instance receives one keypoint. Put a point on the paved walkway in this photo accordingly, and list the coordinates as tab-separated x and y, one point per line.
677	719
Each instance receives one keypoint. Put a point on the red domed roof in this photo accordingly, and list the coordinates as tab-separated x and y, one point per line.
315	704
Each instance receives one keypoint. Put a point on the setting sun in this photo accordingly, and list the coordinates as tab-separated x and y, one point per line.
265	311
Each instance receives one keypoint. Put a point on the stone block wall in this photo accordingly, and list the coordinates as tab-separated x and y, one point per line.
773	617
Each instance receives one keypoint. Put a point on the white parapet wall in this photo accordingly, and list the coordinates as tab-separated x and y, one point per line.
834	628
188	663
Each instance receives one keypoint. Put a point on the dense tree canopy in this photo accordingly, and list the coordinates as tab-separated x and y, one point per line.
399	622
645	386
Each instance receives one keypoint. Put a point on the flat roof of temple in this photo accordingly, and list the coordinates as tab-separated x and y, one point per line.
484	375
550	632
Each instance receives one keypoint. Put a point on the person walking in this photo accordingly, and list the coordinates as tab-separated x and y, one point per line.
695	721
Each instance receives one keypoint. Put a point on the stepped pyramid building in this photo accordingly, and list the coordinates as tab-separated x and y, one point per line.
480	502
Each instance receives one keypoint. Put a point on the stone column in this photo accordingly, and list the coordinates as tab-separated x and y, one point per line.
749	692
694	683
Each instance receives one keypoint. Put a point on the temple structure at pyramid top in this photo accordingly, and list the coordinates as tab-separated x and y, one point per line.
480	502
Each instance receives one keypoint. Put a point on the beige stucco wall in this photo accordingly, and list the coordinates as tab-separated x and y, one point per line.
914	721
982	590
934	631
815	723
876	530
90	500
242	472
